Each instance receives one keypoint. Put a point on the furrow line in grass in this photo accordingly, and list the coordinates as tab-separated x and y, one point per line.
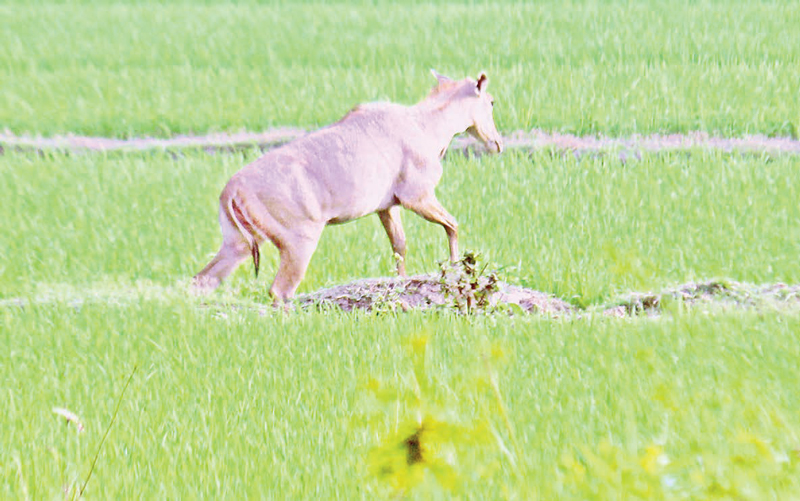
535	139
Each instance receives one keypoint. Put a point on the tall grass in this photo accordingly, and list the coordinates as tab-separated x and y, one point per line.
156	68
584	229
234	400
280	406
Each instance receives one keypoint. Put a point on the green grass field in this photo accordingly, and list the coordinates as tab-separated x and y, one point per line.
160	68
232	400
296	406
228	403
582	229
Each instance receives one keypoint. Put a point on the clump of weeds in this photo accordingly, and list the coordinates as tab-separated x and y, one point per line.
429	438
467	283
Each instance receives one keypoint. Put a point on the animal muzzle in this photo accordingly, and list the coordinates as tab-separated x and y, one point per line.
498	145
493	144
492	141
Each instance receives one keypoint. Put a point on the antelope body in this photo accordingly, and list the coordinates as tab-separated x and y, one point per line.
378	158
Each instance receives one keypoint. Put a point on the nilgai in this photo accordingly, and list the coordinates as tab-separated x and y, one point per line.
378	158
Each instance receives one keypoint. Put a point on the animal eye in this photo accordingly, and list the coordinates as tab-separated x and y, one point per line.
492	103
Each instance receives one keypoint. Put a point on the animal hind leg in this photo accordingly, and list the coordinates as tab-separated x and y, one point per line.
235	249
295	257
230	255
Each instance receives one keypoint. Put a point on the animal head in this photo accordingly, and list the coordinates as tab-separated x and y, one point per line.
477	105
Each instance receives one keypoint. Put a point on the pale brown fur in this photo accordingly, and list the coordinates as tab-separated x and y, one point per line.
379	157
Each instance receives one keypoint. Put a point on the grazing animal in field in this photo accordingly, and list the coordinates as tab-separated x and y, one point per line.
378	158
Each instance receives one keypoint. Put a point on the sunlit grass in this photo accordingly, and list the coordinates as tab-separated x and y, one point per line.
234	400
584	229
282	406
155	68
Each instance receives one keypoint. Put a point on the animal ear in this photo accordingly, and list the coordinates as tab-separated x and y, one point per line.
483	81
440	78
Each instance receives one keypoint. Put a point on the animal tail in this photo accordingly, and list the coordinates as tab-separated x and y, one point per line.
246	228
256	256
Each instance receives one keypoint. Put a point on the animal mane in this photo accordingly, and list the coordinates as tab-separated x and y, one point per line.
441	95
445	87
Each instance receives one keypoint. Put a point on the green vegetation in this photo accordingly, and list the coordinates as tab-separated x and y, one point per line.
231	399
160	68
583	229
306	405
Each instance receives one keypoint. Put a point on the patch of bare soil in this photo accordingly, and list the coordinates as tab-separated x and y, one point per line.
465	286
209	142
467	290
426	292
717	295
537	139
625	147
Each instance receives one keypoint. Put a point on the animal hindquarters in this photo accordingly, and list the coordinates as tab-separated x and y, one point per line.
242	228
245	223
235	248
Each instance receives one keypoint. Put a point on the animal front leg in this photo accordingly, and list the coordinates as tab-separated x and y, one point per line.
390	218
429	208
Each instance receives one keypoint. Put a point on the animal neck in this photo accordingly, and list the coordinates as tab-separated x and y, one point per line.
441	119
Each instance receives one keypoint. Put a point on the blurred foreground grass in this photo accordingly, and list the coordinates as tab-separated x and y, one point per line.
229	403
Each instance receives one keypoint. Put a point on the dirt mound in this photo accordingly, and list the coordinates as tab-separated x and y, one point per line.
464	287
717	294
428	292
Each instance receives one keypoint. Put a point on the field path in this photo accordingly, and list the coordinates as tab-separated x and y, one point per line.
533	140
